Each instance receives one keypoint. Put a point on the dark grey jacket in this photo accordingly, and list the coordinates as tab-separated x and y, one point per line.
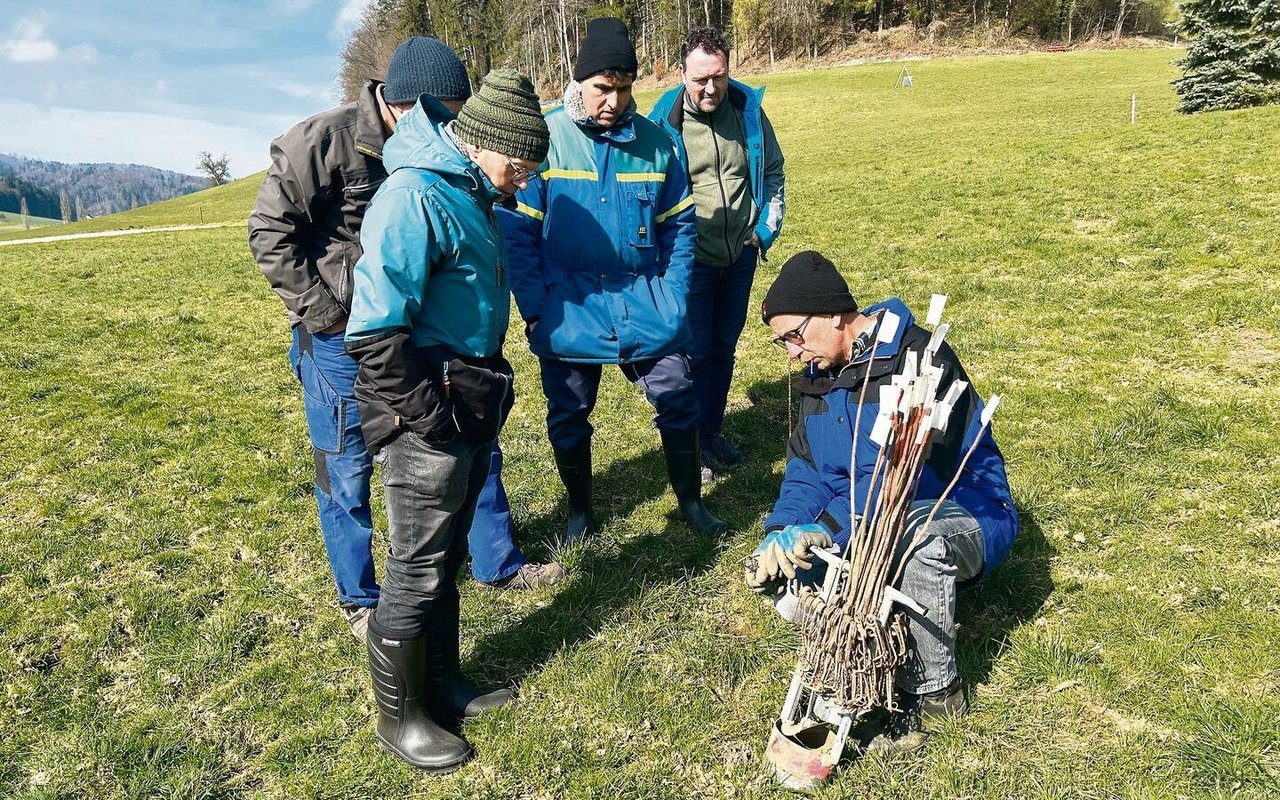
305	227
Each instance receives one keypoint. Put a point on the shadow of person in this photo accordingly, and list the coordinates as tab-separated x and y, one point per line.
632	553
1013	593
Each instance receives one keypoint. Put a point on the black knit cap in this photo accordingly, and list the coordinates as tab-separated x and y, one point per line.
606	46
808	283
422	65
505	116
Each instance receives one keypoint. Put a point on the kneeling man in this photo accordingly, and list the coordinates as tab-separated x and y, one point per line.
817	321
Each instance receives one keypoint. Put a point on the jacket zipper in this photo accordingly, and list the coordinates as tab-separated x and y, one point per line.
724	198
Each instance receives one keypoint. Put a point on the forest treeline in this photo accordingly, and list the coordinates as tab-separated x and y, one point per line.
75	191
540	37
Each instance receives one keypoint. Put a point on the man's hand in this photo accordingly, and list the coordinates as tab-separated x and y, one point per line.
752	241
782	553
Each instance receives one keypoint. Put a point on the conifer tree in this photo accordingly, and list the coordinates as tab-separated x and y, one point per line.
1234	61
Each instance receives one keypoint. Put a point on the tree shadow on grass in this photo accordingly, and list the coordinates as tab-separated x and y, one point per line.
1013	593
612	574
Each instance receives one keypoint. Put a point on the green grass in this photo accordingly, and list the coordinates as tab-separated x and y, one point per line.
12	221
228	203
167	616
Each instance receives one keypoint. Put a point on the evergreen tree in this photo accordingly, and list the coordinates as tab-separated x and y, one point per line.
1234	61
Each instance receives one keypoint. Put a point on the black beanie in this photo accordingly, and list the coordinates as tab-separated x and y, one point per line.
606	46
808	283
422	65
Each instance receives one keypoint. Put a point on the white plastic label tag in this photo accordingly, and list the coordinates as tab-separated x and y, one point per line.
880	431
990	410
939	334
888	329
936	304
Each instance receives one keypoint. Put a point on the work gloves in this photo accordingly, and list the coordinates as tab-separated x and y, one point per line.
782	553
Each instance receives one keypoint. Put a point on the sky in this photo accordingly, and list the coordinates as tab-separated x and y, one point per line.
156	82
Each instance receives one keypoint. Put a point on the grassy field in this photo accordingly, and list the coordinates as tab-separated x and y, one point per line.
168	628
228	203
11	221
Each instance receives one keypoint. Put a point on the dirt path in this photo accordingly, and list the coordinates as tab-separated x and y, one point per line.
128	232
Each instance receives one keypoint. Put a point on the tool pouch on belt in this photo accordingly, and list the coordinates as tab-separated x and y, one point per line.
480	390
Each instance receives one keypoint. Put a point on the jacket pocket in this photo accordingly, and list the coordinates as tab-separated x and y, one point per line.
325	409
638	217
481	396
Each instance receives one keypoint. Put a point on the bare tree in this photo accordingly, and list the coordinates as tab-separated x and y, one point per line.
369	49
64	203
25	213
218	170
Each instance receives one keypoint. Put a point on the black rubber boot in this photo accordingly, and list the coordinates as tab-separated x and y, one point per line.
448	692
404	726
684	467
574	466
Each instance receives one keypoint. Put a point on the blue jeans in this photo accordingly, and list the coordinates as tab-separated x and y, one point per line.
571	390
718	298
344	469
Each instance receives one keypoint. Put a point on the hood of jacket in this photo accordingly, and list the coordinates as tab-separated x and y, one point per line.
422	141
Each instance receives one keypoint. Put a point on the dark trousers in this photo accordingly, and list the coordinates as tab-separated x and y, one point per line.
431	495
718	298
571	391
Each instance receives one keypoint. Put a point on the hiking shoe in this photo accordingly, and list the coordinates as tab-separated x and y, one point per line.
358	618
946	703
899	733
531	576
724	452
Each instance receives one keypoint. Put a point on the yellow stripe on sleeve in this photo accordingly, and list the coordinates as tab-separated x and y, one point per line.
676	209
529	211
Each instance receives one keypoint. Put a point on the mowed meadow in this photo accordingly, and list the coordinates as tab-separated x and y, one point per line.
167	623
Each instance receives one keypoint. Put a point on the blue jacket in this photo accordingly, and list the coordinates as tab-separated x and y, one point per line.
765	157
601	244
815	487
432	282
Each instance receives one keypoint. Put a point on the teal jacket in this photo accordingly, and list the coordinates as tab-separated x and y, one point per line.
601	244
432	282
768	181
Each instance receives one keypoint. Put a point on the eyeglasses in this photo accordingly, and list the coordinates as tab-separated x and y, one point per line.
794	336
519	173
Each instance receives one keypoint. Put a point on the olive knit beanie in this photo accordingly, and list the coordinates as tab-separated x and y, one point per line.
422	65
606	46
808	283
504	116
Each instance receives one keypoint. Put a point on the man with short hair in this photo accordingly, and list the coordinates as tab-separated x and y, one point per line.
815	318
735	166
429	314
305	235
601	246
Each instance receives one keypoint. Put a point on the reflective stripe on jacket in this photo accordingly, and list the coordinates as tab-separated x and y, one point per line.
601	244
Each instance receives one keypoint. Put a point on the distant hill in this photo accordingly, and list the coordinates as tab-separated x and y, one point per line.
92	190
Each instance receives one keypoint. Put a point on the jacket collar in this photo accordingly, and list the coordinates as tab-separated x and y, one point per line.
370	135
741	96
894	321
621	131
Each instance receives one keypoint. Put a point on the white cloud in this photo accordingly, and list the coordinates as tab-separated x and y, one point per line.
28	44
304	91
82	54
349	15
169	142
